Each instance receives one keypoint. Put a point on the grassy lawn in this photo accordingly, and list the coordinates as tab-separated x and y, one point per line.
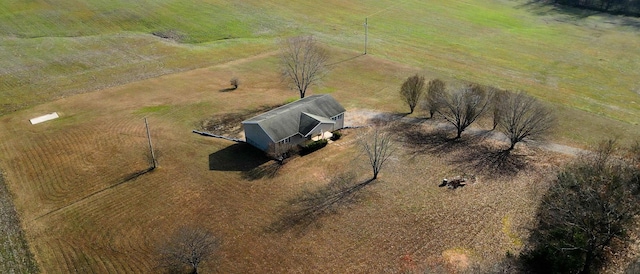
79	212
54	50
69	176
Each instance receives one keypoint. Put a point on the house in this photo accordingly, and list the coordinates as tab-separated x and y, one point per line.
295	122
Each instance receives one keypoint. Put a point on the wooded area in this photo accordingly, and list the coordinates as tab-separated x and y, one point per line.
626	7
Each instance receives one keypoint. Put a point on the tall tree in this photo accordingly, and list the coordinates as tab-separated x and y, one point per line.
378	147
590	208
521	117
463	106
411	91
435	94
497	96
186	248
303	62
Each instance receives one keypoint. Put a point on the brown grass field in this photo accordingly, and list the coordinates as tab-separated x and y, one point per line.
86	205
82	212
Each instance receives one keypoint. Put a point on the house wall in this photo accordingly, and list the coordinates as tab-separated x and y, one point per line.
322	128
339	121
294	140
255	136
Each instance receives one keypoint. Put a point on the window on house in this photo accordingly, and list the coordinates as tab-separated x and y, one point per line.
286	141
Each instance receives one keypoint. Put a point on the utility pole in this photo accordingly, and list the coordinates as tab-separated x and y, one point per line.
154	163
366	34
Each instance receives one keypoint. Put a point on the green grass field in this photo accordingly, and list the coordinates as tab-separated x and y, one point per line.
57	49
103	67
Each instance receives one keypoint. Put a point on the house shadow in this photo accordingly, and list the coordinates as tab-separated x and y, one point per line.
237	157
252	162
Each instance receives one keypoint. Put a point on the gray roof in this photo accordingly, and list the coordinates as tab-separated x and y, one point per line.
309	121
299	117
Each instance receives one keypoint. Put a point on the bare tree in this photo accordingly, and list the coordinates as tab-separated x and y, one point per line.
497	97
303	62
411	91
378	147
463	106
521	117
586	214
186	249
435	95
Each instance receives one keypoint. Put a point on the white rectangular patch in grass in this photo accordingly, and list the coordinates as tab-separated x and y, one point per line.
44	118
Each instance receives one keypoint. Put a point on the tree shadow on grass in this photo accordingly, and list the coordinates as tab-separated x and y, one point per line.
438	141
537	7
310	206
386	119
575	14
227	89
493	163
267	170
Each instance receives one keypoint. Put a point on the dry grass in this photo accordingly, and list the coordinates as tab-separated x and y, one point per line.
86	206
80	213
14	250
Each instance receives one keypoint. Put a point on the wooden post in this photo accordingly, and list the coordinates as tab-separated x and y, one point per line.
366	34
154	163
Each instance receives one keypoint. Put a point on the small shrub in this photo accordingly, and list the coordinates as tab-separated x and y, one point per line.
313	146
336	135
235	82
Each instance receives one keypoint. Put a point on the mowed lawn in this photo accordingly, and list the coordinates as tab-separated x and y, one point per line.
57	49
80	214
71	178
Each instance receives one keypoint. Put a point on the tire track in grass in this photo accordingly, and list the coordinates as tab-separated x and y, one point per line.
89	181
84	211
50	190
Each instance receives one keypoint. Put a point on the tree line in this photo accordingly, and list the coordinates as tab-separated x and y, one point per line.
626	7
517	115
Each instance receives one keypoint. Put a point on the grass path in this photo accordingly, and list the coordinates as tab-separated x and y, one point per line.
15	255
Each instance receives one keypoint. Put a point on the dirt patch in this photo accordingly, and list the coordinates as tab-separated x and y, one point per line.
171	34
229	124
456	260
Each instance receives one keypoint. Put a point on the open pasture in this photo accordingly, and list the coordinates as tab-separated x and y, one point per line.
56	49
82	211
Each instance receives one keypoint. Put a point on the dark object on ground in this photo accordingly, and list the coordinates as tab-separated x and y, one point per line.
454	183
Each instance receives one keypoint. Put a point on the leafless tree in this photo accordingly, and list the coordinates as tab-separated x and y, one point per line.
378	147
411	91
521	117
303	62
497	97
586	214
463	106
186	249
435	95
